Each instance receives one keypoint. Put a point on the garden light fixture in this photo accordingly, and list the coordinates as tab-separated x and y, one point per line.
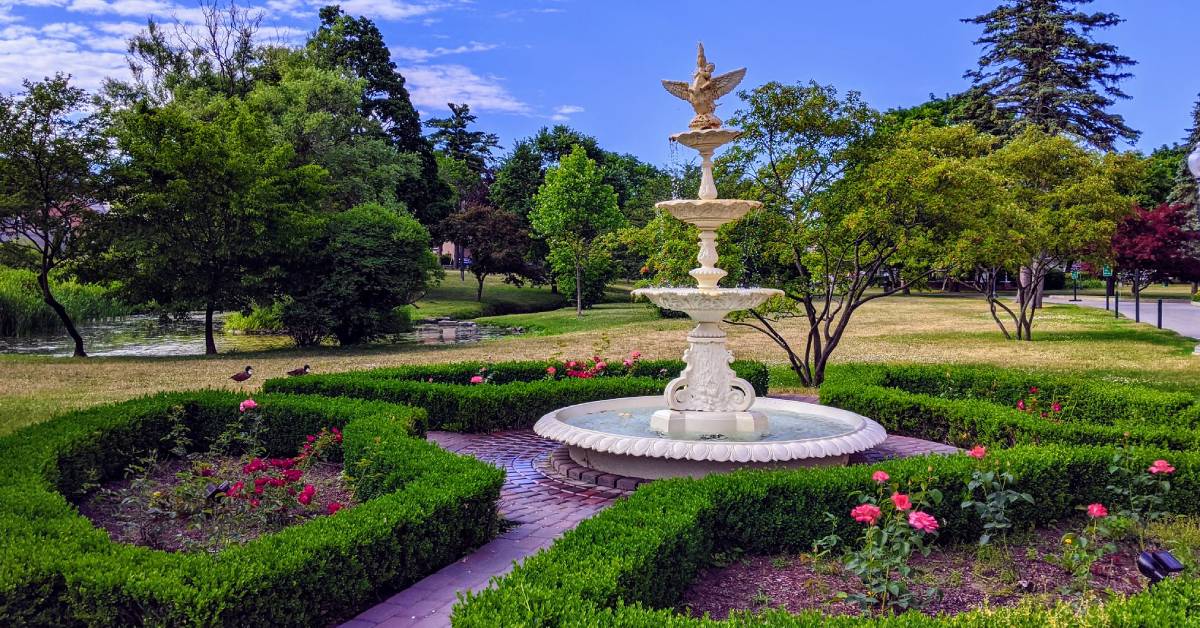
1157	565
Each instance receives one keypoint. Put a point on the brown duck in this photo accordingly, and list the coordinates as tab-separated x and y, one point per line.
243	375
300	371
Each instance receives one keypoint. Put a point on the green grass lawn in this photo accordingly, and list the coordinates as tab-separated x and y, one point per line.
455	298
922	329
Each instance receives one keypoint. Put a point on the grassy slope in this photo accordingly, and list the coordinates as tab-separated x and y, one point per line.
455	298
913	329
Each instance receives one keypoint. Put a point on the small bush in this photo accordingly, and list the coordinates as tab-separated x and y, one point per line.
965	405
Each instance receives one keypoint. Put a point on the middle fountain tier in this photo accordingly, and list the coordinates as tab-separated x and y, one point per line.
708	419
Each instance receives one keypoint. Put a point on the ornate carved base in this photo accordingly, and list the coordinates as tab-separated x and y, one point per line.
688	424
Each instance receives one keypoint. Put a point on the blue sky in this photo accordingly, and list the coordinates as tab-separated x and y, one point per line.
595	64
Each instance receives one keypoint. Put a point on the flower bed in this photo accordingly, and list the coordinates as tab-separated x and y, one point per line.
631	564
963	405
506	395
418	508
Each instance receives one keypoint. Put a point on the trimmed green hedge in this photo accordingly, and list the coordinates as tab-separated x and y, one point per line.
630	563
519	395
964	405
422	508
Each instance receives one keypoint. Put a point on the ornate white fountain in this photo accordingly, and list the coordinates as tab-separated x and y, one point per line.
710	419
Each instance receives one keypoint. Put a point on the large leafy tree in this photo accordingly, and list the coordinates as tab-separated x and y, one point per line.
1042	64
49	147
885	222
355	44
362	264
1154	244
498	241
573	209
1063	206
517	179
201	188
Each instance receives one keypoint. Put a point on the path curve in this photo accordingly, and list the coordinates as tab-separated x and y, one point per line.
544	504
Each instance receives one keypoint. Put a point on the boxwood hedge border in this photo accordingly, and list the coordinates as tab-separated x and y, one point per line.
628	565
965	405
421	508
519	394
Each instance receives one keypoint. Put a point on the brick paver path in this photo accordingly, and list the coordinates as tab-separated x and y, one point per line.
543	504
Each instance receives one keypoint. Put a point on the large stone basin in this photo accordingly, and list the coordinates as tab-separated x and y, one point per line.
614	436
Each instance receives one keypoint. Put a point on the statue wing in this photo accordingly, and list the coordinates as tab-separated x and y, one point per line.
725	83
678	89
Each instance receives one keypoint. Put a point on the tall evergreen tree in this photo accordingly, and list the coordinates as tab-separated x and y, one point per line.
454	137
357	45
1042	65
1185	191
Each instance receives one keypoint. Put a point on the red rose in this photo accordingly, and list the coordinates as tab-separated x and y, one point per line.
334	507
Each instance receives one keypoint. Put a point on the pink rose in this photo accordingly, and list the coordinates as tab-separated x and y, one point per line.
1161	466
922	521
572	364
627	362
478	379
337	435
1033	390
880	477
901	501
1097	511
866	513
334	507
1056	406
551	370
600	366
635	355
978	452
248	404
254	503
1021	404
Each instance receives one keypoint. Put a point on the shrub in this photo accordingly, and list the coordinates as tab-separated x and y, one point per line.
618	567
965	405
519	393
22	311
421	508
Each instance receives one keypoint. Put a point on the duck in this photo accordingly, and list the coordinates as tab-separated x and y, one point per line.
300	371
243	375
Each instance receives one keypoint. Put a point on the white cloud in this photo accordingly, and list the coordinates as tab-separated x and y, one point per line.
132	8
432	86
388	9
425	54
38	56
562	113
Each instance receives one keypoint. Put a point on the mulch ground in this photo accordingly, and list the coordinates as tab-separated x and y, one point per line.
965	577
118	511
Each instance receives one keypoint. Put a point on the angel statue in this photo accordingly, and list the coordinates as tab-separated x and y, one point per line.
704	91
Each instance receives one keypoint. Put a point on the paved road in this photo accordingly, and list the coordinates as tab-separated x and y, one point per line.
1178	316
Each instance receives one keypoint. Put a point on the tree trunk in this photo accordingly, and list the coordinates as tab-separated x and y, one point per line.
458	260
48	297
1195	286
479	290
210	345
578	289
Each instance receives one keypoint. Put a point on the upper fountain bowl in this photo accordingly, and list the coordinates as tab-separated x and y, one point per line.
707	306
706	140
708	214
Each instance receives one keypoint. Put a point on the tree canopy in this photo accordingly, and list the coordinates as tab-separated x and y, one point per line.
1041	64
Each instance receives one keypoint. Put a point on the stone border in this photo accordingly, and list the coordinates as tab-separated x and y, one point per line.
560	461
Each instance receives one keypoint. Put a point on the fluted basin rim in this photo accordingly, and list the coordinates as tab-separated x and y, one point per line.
866	434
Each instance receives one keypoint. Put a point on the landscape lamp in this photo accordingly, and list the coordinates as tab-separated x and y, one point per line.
1157	565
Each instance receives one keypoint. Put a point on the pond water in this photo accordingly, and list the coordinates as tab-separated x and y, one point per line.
784	425
146	336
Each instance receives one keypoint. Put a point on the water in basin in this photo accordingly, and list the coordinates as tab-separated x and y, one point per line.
783	425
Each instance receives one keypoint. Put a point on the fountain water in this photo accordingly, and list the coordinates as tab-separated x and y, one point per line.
708	420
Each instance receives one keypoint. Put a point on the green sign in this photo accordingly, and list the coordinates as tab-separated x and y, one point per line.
1075	275
1108	271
